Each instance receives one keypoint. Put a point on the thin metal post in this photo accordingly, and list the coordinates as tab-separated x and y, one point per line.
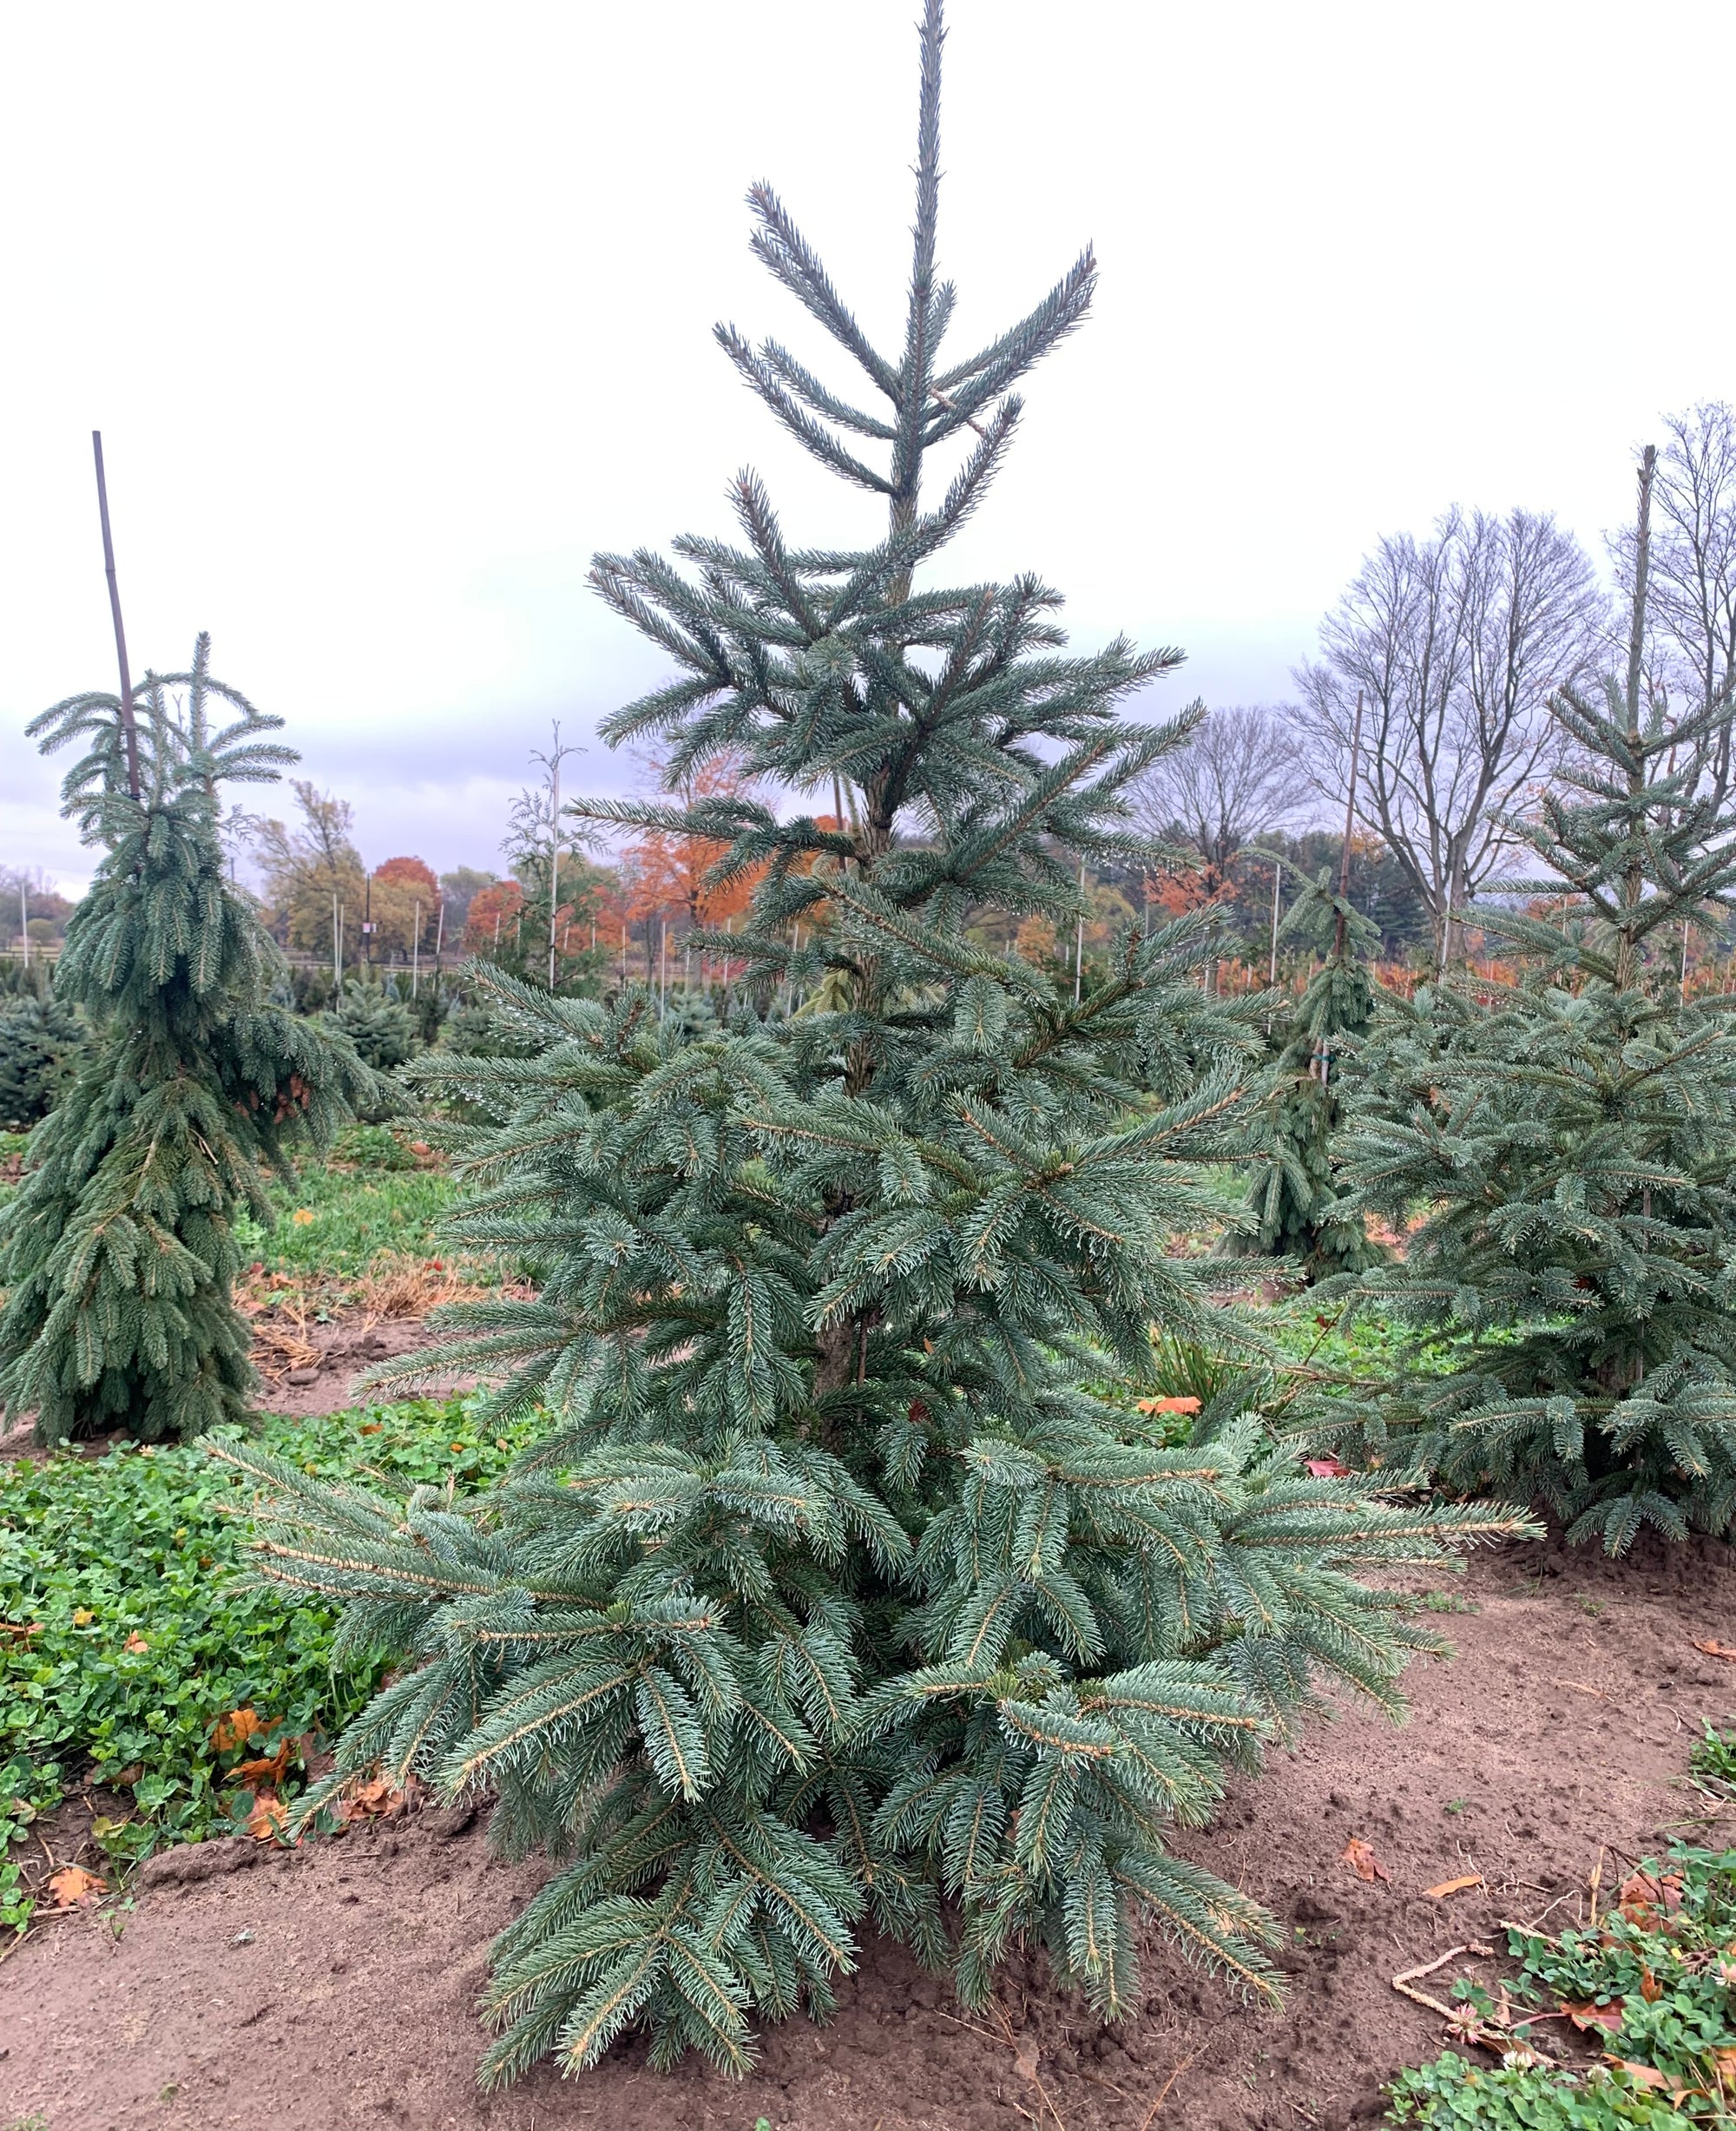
416	951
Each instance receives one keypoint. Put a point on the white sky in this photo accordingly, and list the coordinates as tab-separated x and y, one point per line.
391	314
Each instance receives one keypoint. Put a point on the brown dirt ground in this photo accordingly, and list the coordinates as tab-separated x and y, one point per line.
335	1986
345	1351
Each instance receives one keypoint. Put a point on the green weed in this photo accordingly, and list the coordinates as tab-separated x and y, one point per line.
1453	2095
124	1638
1713	1763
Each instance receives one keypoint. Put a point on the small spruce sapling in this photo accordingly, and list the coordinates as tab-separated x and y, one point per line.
118	1250
1574	1138
1294	1196
831	1598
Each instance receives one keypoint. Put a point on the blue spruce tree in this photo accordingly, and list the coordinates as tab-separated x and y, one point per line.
832	1597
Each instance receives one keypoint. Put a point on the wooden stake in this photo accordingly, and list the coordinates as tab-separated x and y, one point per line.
128	724
416	951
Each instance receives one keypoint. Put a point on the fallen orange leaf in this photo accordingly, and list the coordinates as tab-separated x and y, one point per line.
1453	1886
1169	1405
1641	2075
1326	1469
1715	1648
235	1730
266	1822
1586	2018
74	1888
268	1772
136	1643
302	1218
1362	1861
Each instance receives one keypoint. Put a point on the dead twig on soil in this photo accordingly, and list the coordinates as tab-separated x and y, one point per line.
1163	2091
1024	2057
1027	2062
1495	2034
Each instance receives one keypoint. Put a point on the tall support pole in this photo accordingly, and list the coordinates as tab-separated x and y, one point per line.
1277	876
1079	941
554	848
128	724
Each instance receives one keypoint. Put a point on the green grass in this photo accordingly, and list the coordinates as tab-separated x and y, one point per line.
334	1218
1659	1965
125	1638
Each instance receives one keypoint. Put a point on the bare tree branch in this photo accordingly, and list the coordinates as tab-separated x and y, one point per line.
1238	779
1458	642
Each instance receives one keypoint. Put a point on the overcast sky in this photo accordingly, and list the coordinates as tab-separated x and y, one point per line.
391	315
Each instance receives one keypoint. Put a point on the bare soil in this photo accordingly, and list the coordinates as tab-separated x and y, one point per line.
335	1985
343	1350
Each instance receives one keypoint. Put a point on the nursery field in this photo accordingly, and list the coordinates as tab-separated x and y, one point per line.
945	1442
172	1959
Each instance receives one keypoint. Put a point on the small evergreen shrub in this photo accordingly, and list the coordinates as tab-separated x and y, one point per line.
831	1599
379	1025
41	1043
118	1250
1298	1207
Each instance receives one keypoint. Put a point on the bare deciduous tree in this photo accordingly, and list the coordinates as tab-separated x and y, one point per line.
1690	650
1237	779
1455	644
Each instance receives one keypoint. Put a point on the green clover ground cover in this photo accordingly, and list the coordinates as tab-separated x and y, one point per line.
1658	1975
124	1639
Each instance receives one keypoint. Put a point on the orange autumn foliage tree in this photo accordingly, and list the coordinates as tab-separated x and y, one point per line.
665	874
493	912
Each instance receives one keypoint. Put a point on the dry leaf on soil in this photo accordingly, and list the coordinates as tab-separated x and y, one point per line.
1326	1469
1453	1886
74	1888
1713	1648
235	1730
266	1822
1592	2019
1362	1861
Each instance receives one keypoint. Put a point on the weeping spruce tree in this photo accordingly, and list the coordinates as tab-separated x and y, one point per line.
118	1251
1574	1137
832	1598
